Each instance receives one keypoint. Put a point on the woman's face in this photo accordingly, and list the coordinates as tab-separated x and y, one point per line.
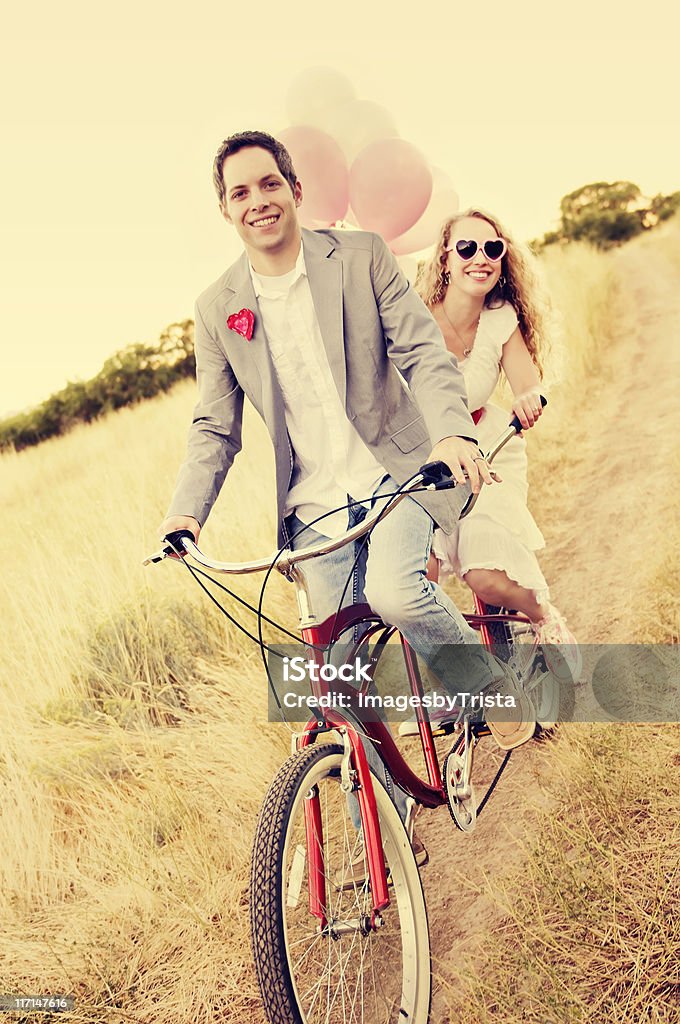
478	275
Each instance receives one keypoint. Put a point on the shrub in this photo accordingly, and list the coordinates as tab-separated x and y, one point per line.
136	372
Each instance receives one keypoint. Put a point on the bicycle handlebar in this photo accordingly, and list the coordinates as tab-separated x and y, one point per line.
515	423
184	539
433	476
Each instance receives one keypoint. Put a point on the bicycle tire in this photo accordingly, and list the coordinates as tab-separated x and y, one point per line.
305	977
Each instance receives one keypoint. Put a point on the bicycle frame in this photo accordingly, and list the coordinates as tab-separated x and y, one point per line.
318	638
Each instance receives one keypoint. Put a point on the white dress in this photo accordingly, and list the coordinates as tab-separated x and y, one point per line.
499	532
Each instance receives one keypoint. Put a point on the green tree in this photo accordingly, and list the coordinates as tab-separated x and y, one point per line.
134	373
603	213
664	207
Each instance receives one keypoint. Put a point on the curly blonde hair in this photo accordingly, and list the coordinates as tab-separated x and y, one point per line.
522	286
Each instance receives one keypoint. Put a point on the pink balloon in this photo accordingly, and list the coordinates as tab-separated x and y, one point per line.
443	203
390	185
322	169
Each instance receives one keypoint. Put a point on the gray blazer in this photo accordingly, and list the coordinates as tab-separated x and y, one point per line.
377	333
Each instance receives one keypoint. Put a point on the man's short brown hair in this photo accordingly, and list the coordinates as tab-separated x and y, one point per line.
241	141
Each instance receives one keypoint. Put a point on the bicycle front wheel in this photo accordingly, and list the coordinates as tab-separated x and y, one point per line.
346	972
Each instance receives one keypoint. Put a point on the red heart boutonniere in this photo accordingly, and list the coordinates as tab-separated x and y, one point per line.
242	322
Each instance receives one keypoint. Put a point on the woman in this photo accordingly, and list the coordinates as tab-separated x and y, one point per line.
482	292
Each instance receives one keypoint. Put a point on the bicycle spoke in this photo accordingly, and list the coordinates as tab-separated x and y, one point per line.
298	964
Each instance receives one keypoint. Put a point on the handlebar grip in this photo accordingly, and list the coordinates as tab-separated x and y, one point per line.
437	473
514	422
174	541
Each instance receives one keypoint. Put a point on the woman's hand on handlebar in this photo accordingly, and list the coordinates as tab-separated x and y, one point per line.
527	407
174	523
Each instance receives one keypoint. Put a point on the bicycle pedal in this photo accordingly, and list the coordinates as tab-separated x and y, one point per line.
446	729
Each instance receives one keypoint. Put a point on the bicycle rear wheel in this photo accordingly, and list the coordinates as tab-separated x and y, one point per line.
349	973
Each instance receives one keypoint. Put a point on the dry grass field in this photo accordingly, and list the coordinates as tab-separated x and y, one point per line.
135	749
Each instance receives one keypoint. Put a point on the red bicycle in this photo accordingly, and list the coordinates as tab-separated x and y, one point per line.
328	946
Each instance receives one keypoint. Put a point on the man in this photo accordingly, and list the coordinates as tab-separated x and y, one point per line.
335	328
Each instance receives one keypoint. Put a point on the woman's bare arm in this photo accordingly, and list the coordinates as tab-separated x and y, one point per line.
523	378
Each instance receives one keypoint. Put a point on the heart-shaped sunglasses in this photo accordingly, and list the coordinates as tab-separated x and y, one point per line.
466	248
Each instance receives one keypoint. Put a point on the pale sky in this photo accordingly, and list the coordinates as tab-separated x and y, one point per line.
112	116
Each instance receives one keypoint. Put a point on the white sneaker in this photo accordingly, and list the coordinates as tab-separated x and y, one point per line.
560	647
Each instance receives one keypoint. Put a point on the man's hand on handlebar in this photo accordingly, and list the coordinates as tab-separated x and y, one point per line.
174	523
464	457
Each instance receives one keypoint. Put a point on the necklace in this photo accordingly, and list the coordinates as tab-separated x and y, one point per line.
466	351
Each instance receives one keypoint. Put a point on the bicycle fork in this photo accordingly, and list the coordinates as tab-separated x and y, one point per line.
352	780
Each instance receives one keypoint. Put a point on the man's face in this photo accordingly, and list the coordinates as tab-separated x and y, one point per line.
259	202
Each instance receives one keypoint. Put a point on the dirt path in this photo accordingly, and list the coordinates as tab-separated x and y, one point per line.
611	523
596	555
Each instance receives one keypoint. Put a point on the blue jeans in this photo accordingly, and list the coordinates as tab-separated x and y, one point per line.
391	576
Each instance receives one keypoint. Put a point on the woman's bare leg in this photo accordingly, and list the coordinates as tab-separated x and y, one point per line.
495	587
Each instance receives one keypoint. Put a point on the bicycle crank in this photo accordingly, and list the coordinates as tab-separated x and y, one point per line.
460	793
